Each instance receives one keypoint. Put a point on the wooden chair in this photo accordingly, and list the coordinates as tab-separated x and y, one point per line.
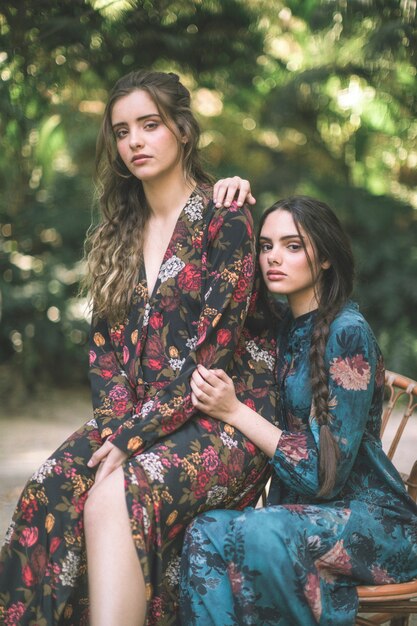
393	603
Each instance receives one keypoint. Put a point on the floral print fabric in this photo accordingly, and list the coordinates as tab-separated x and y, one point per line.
203	309
297	561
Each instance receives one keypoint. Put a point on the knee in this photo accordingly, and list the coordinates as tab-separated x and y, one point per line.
266	532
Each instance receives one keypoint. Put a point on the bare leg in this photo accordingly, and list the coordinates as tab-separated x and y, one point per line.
116	583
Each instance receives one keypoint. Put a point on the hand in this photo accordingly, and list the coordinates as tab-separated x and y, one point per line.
213	393
109	457
225	190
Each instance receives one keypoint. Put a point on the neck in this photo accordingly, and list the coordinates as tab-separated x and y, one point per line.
300	305
162	196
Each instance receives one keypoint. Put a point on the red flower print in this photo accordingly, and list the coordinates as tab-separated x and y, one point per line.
189	279
236	461
171	303
313	595
108	365
28	507
215	226
156	364
54	545
116	334
206	424
28	576
154	346
207	355
156	320
250	448
241	292
352	373
119	397
250	403
92	357
203	478
222	475
248	266
28	537
38	561
175	530
224	336
235	577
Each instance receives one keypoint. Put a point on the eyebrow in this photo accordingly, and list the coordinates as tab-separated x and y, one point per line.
283	238
138	119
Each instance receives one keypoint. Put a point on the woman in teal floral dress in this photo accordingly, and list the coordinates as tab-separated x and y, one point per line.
171	278
338	513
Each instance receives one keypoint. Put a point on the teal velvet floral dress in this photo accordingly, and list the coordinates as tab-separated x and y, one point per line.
296	562
203	309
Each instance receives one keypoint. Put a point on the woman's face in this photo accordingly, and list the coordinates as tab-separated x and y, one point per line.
283	260
148	148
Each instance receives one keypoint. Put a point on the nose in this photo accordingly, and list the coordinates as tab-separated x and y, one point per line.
135	140
274	258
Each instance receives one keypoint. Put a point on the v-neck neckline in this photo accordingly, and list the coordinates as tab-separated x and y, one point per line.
151	296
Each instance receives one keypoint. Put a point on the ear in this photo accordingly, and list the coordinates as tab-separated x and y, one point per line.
325	265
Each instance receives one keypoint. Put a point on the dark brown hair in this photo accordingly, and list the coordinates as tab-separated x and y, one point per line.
114	246
333	288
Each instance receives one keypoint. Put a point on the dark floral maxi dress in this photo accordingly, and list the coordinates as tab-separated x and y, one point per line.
297	561
180	462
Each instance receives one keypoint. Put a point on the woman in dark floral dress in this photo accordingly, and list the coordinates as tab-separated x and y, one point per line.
338	514
171	278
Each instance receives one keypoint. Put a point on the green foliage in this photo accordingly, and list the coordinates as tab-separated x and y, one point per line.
312	97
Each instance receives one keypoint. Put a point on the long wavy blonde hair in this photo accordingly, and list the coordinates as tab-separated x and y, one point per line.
113	248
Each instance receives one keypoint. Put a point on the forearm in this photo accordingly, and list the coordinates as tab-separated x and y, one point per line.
256	428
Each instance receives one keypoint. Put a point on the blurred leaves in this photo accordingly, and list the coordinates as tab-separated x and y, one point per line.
313	97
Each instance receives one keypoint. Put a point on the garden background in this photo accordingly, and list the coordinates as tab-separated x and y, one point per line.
315	97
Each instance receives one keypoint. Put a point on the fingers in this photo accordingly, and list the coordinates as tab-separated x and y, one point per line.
100	454
225	190
213	377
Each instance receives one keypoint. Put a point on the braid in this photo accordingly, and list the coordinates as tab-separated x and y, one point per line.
333	286
328	449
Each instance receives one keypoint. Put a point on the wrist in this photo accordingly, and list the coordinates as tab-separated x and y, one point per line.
231	415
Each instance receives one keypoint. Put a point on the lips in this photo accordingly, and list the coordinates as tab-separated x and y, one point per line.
274	274
140	158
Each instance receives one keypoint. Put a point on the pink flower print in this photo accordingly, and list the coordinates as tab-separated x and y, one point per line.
13	614
210	459
380	576
119	397
352	373
294	447
125	355
335	561
92	356
313	595
28	537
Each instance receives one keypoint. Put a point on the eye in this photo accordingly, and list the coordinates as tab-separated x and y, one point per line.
119	134
151	125
265	247
294	247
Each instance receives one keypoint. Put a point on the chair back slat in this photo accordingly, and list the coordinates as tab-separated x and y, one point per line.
399	386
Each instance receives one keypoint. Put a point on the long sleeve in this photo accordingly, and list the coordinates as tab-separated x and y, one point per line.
230	271
354	365
113	396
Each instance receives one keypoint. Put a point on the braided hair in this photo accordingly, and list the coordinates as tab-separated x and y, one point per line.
333	287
